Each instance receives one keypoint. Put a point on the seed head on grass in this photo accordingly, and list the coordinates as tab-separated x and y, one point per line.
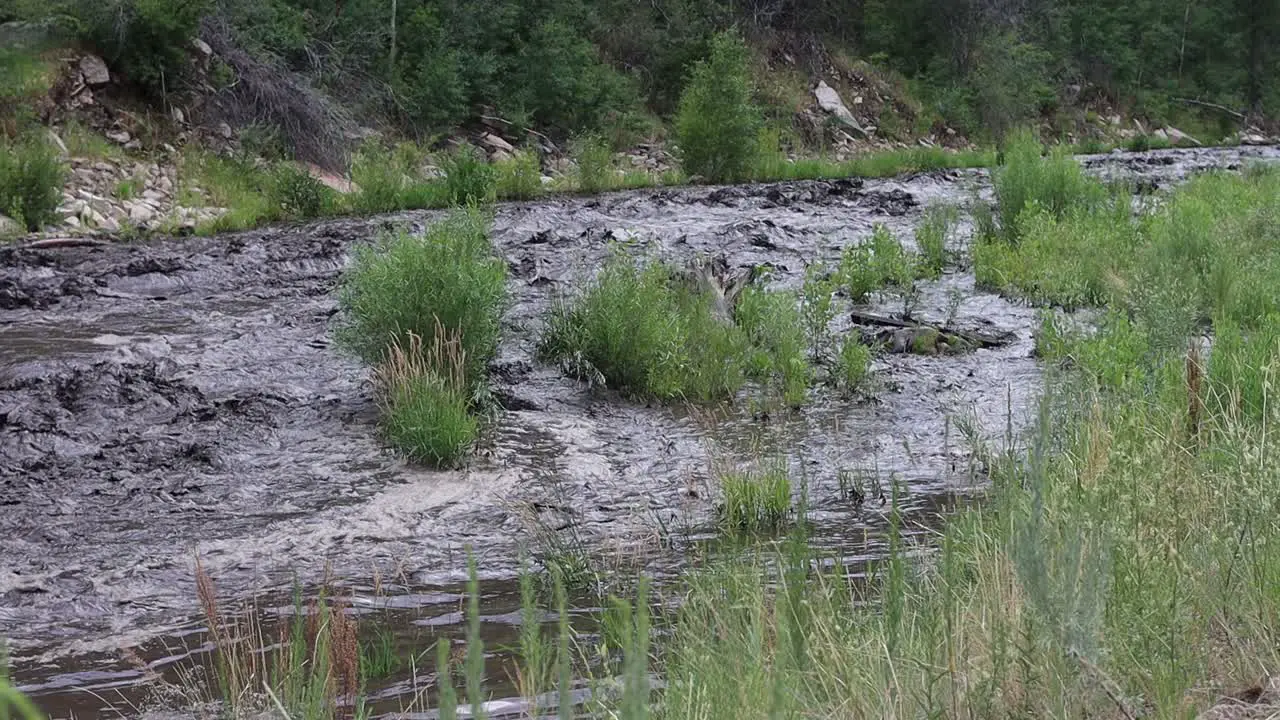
425	398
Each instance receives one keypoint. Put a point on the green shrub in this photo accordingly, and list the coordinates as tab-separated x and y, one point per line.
379	181
881	262
931	239
717	126
31	178
853	366
425	398
1055	183
755	500
776	332
817	308
298	194
594	164
641	328
520	178
468	179
406	284
148	40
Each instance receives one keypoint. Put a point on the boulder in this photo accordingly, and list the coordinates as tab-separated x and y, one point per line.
119	137
141	214
1177	137
9	226
202	47
829	100
496	144
94	70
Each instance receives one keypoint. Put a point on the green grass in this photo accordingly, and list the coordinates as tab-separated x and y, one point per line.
468	179
755	500
880	263
239	186
853	365
127	189
425	399
426	312
407	284
31	177
594	164
1031	180
83	142
931	240
519	178
640	328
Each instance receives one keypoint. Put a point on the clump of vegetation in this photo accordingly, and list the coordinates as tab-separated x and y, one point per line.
426	400
31	177
519	178
755	500
468	179
718	125
931	240
448	278
594	163
1055	184
309	669
1071	260
380	181
853	365
644	329
299	195
881	262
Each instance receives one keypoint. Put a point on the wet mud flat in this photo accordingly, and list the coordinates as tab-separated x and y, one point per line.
180	398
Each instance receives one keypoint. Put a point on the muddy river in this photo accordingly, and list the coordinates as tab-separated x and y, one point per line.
176	399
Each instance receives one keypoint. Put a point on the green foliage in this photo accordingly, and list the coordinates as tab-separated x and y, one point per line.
931	240
643	330
406	284
425	398
773	325
244	187
881	262
298	194
594	163
818	309
853	365
468	179
519	178
379	180
31	178
755	500
1055	183
717	126
147	40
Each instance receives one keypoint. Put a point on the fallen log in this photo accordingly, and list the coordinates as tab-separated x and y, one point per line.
62	242
903	336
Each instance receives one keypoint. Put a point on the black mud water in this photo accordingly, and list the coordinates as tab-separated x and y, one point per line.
179	399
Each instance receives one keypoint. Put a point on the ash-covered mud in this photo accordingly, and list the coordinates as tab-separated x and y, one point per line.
175	399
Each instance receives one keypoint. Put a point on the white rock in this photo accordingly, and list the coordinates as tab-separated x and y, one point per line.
176	113
119	137
202	46
94	70
9	226
829	100
496	143
154	196
1253	139
164	184
71	221
1160	133
224	130
1177	137
57	141
104	167
140	214
134	144
95	218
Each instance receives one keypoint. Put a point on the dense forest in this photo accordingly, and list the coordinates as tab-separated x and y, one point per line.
614	66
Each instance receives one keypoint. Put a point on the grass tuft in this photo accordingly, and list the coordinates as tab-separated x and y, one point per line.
31	178
644	329
519	178
756	500
425	399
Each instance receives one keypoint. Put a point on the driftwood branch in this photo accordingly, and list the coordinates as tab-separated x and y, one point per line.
972	338
62	242
1233	113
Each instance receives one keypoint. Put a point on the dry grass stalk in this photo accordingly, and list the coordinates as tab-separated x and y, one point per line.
1195	395
409	358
